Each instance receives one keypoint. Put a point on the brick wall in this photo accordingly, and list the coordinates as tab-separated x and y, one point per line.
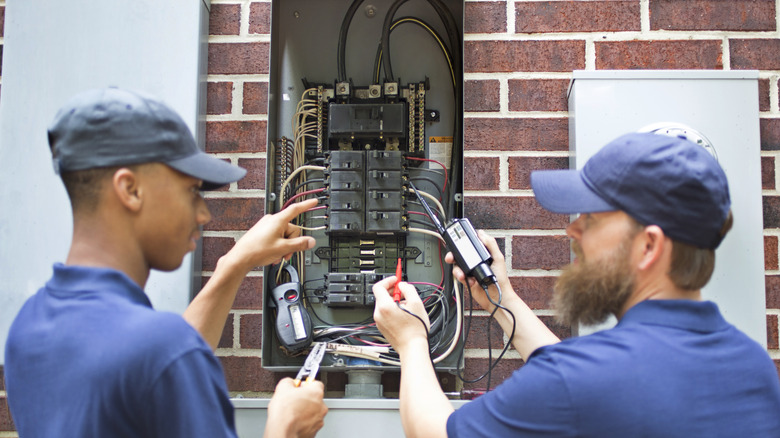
519	56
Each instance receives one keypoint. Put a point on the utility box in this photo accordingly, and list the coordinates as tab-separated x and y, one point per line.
355	123
721	105
53	50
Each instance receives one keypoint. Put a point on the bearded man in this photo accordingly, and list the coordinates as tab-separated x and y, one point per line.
652	209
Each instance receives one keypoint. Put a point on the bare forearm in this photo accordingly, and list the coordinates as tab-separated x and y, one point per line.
209	310
424	407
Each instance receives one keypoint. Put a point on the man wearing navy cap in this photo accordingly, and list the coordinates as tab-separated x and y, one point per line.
87	356
653	208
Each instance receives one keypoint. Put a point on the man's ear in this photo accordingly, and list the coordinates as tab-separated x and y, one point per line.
127	187
654	243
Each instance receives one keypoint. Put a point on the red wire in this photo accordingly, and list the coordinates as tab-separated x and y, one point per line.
308	192
433	161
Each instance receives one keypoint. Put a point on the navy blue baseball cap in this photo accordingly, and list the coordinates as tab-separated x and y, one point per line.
115	127
656	179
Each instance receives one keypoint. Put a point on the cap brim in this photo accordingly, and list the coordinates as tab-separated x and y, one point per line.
214	172
564	191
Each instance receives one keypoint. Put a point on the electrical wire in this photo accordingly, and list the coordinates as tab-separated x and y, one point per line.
444	187
426	26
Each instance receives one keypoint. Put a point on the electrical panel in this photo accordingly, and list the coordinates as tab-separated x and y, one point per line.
363	99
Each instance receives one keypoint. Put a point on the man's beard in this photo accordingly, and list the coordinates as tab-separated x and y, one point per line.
591	290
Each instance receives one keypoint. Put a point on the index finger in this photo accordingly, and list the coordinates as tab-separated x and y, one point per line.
381	289
297	208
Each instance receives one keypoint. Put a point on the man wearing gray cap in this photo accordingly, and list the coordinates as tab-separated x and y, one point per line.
87	355
652	210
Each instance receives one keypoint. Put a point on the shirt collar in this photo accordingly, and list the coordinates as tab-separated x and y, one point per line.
699	316
70	280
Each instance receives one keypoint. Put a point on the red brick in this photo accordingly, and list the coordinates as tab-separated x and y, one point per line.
540	252
250	294
768	173
219	97
742	15
520	169
688	54
519	56
251	330
238	58
255	174
506	212
773	292
481	173
224	19
234	213
561	331
255	98
484	17
475	367
488	134
481	95
2	379
777	365
772	332
246	374
577	16
236	136
771	206
764	103
213	249
535	291
770	253
226	340
770	134
259	18
538	95
758	54
6	422
2	20
478	333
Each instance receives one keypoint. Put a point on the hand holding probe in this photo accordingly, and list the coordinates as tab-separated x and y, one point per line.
461	240
398	276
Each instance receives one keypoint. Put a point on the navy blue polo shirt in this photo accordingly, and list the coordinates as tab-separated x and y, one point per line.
668	369
87	356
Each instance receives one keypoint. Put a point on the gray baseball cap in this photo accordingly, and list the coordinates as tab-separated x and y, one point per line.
115	127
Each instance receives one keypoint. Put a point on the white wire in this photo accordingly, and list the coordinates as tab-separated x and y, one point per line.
424	231
292	175
441	357
432	198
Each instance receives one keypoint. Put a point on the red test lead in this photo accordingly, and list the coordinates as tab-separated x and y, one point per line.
398	276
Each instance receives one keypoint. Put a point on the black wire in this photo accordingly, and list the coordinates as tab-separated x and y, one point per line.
341	51
311	181
418	22
427	334
385	42
491	364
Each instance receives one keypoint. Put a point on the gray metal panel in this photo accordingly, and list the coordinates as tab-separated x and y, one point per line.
376	418
52	50
723	105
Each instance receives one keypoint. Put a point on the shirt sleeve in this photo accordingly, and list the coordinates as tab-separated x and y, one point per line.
190	398
533	402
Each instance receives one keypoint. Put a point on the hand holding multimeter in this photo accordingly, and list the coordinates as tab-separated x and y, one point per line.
462	241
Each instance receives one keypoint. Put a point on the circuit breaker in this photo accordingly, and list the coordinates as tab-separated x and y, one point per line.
364	98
